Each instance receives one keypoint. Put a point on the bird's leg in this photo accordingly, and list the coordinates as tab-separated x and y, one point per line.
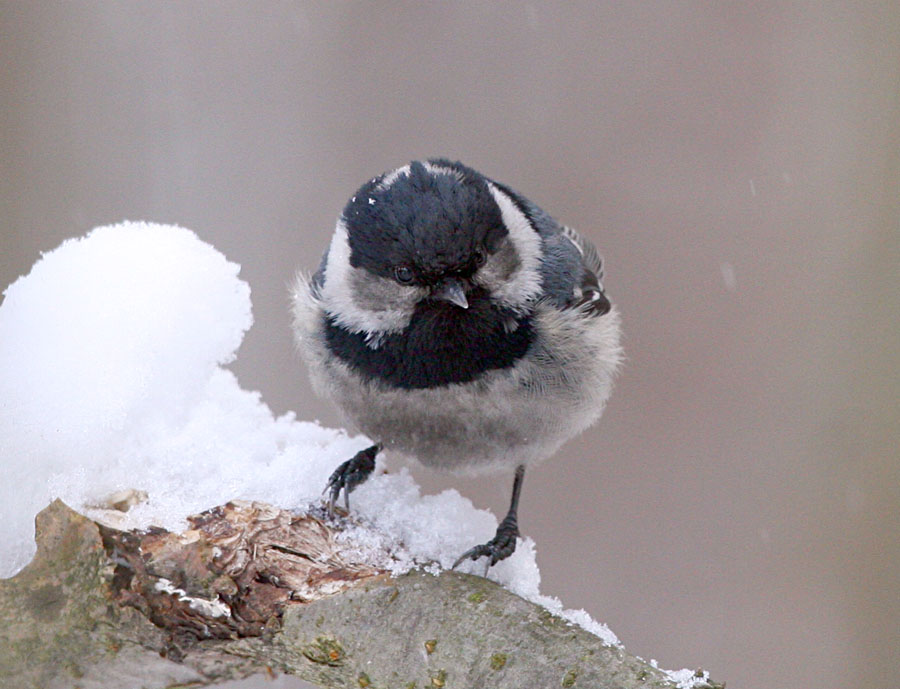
350	474
503	544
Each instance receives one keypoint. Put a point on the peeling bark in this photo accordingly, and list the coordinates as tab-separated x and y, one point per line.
250	589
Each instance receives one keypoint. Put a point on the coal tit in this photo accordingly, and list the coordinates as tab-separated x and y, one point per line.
456	323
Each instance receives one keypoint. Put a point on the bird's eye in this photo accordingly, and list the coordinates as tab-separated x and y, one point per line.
403	274
480	257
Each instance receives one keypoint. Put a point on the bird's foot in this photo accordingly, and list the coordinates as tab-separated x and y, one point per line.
500	547
349	475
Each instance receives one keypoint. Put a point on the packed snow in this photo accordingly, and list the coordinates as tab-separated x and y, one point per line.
111	379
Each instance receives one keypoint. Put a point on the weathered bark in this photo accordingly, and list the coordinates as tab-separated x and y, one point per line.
253	589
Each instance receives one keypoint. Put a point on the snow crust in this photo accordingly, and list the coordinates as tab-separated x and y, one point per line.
111	378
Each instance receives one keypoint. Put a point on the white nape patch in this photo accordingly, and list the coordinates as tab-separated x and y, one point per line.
524	285
210	608
392	177
442	170
339	296
388	179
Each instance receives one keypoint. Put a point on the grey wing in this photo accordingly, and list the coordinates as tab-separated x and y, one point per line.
572	267
589	254
590	294
318	278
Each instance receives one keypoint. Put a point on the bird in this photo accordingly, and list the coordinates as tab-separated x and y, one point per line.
457	324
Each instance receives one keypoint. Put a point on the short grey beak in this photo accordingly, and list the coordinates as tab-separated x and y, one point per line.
451	289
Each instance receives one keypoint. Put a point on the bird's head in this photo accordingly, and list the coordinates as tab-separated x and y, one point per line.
428	235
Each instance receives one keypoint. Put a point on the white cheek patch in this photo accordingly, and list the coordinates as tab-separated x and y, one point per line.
341	300
524	285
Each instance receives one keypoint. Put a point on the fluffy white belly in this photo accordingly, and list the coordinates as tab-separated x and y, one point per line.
506	417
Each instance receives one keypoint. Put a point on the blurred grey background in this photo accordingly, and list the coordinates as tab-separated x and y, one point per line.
737	164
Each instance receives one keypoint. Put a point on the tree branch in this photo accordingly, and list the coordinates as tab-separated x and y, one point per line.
249	589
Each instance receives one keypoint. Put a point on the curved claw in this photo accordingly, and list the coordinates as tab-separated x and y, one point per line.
472	553
500	547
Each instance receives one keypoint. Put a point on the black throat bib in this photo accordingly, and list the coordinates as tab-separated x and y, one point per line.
443	344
